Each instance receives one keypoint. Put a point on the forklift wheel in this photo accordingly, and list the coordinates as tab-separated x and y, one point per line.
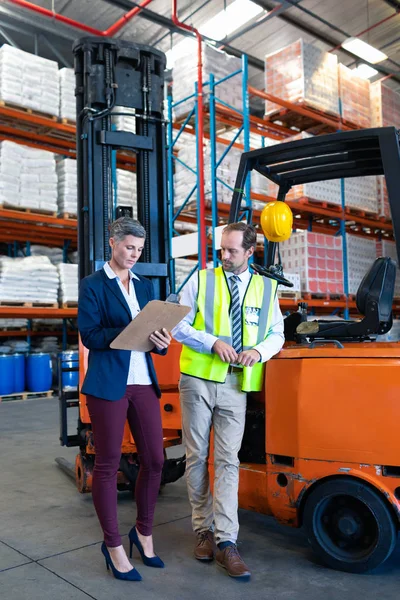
349	526
83	473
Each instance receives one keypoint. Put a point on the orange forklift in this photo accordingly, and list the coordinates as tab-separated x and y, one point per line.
321	444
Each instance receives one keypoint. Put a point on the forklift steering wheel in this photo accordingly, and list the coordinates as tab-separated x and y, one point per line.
272	273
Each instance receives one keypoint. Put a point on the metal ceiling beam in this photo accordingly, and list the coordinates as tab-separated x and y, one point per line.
190	15
35	25
8	38
169	24
59	56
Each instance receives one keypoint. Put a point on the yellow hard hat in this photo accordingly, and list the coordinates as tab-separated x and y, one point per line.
277	221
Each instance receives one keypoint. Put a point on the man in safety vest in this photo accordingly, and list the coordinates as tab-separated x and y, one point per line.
234	327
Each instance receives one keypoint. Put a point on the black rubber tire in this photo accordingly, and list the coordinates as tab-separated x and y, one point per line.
349	525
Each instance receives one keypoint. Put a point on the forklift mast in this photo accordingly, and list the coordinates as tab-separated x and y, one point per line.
112	76
333	156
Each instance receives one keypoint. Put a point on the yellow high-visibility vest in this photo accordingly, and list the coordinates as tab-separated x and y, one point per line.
213	306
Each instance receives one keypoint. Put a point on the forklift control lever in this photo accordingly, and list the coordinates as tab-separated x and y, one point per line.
273	273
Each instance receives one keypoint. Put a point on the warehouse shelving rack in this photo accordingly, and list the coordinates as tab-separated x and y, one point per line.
47	133
234	119
319	217
29	128
16	226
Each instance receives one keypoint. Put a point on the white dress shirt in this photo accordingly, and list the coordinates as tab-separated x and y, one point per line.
138	371
200	341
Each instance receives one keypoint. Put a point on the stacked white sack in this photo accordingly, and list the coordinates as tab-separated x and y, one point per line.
125	192
68	282
185	178
55	255
122	121
67	186
66	79
38	186
29	80
11	156
73	257
28	177
53	324
13	323
30	279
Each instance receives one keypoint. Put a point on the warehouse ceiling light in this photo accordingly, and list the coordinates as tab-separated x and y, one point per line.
363	50
227	21
221	25
365	71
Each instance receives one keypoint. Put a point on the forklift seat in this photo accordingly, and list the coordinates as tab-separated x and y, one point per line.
374	301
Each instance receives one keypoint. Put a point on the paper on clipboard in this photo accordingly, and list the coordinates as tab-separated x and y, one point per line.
155	316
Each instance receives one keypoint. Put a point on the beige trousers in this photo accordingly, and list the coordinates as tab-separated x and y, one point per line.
206	404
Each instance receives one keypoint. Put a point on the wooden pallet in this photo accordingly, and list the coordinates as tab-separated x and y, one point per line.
289	295
321	296
293	120
69	304
23	304
318	204
349	211
69	216
26	396
32	211
358	212
65	121
27	110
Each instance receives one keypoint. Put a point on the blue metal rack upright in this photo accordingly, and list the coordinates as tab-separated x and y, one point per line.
215	161
243	129
171	143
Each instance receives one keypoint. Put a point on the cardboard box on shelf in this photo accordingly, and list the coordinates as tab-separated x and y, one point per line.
361	254
385	105
302	74
318	258
354	93
383	198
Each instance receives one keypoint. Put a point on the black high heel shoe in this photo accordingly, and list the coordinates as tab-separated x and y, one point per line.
132	575
155	561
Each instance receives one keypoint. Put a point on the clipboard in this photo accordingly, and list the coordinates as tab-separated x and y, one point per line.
155	316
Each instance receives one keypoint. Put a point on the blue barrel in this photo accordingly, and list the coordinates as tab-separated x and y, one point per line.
6	374
69	360
19	373
39	373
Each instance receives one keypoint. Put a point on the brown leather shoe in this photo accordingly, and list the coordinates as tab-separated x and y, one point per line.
229	559
204	549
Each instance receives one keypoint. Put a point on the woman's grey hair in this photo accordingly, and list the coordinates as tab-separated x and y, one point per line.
126	226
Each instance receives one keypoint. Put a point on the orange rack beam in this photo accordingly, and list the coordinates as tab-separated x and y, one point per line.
29	312
21	226
26	333
47	133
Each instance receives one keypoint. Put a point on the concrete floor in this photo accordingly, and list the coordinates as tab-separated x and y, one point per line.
50	538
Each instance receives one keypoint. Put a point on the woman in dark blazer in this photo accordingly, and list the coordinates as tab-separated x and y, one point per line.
121	385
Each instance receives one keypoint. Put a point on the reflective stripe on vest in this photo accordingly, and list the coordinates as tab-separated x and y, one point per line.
213	316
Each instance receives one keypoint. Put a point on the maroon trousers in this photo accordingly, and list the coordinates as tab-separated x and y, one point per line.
141	407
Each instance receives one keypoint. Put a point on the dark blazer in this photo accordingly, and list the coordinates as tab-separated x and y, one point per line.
102	314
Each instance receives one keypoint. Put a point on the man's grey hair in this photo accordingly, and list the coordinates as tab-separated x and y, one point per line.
126	226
